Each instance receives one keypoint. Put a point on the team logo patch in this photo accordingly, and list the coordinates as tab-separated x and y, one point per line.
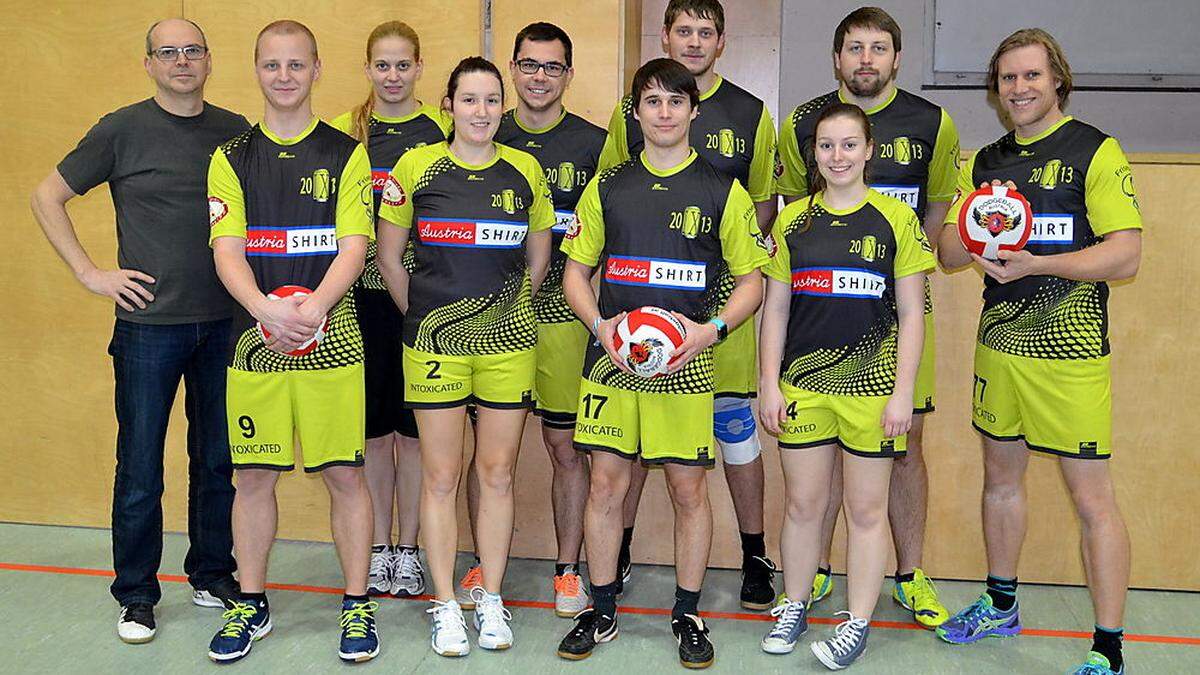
640	352
574	228
838	282
217	209
292	241
767	243
778	165
393	192
379	178
467	233
676	274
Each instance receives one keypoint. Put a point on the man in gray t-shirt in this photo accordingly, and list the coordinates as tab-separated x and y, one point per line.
172	315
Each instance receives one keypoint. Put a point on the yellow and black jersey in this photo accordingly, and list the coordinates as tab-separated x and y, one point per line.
916	149
568	151
387	139
842	267
469	292
734	133
292	200
662	238
1078	182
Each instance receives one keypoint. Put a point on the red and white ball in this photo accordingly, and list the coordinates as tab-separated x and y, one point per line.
646	337
311	344
994	219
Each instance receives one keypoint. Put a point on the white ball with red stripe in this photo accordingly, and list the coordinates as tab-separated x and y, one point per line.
311	344
646	337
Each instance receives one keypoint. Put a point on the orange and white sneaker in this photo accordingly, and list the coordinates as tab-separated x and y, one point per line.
471	580
570	596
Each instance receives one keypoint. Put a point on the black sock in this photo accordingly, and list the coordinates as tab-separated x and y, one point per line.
604	599
1107	641
686	602
563	568
259	599
355	598
827	571
626	540
753	545
905	578
1003	592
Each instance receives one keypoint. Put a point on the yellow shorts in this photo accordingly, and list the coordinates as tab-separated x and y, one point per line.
560	351
735	363
660	428
489	380
1059	406
923	388
325	408
852	422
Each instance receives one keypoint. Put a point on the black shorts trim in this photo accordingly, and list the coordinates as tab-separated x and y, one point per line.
924	411
706	463
1041	448
527	404
735	394
873	454
556	420
590	448
810	444
270	467
439	406
326	465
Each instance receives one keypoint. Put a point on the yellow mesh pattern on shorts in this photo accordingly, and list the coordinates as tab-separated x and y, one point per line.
695	378
1064	319
865	369
550	303
496	323
342	346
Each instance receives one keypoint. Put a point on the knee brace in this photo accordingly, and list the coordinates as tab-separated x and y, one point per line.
735	430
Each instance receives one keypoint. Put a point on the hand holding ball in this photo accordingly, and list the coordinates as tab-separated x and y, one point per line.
299	292
994	218
646	338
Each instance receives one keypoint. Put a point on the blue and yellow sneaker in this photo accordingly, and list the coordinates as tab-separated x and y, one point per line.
360	640
979	620
1097	664
822	587
919	596
244	623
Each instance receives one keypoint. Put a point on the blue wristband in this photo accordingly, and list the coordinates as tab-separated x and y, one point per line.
722	329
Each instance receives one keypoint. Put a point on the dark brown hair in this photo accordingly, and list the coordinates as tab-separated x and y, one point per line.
816	182
668	74
472	64
701	9
866	17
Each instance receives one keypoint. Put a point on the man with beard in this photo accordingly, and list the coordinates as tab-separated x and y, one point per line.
915	161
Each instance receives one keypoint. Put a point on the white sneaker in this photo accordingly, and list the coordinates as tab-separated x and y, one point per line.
408	577
473	578
570	597
135	624
379	576
448	629
491	620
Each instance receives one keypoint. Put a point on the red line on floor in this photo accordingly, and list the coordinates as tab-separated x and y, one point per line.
657	611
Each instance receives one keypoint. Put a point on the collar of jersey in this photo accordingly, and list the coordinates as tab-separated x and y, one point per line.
881	106
1034	139
713	89
820	199
548	127
400	120
473	167
293	140
671	171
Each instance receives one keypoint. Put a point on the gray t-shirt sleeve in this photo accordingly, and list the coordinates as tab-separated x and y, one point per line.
92	161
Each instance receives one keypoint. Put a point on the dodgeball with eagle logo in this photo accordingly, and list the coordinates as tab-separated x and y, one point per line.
645	339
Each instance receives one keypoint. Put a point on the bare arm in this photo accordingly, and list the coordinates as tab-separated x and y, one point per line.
771	336
392	241
788	199
49	204
537	258
910	311
935	221
765	212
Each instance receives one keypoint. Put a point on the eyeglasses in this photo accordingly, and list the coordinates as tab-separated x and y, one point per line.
169	54
552	68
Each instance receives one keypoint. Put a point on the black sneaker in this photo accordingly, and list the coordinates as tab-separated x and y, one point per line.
757	591
695	649
135	624
624	571
590	630
222	593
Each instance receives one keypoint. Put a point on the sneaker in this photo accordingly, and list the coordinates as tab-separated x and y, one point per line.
245	622
919	596
491	620
360	639
470	580
408	577
695	649
570	598
590	630
1097	664
757	591
379	576
135	624
980	620
624	571
791	621
849	641
448	629
822	587
223	593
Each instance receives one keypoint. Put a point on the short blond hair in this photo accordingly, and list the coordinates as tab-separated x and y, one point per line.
1054	54
285	27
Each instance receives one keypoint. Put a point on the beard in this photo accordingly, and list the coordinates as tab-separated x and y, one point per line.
870	86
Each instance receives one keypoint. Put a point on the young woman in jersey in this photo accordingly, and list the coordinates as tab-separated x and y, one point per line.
842	332
479	217
390	122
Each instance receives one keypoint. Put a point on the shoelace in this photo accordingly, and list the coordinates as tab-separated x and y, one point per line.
473	578
786	616
1094	666
379	563
923	591
847	634
237	619
445	618
355	622
975	611
767	566
490	608
693	629
567	584
410	565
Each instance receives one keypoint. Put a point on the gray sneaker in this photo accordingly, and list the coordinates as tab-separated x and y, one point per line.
849	641
791	621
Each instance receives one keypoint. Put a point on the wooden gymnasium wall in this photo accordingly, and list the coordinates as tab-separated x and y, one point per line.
69	63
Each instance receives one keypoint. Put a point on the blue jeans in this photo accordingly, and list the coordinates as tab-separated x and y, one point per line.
148	362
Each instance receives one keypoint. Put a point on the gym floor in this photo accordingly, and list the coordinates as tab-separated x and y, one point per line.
60	618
